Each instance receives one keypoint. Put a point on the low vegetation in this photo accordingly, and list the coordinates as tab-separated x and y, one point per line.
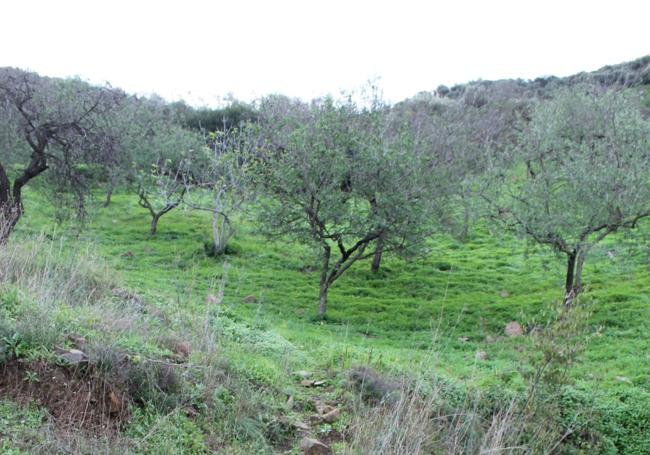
205	331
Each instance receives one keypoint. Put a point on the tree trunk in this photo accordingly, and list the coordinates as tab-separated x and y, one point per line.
154	223
573	284
322	305
376	260
464	234
577	282
221	232
570	271
10	209
109	194
324	281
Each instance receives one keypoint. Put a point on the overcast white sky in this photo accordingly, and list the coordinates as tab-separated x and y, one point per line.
203	50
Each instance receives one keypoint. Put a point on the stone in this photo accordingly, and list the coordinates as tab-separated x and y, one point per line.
250	299
310	446
623	379
323	409
332	416
307	383
513	329
482	355
489	339
74	357
504	294
463	339
301	426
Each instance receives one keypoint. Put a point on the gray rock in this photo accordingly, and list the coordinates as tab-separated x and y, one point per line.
74	357
310	446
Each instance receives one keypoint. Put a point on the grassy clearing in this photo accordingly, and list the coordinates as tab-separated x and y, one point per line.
451	300
427	317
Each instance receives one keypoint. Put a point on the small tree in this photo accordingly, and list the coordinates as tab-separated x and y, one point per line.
161	191
580	173
224	178
340	177
163	187
50	124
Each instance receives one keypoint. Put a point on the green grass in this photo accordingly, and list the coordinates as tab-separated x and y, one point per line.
426	317
393	318
19	426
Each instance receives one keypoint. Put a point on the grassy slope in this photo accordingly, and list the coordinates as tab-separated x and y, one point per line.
401	315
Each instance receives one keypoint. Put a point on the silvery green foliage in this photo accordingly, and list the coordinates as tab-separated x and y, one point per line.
340	176
221	185
53	127
581	171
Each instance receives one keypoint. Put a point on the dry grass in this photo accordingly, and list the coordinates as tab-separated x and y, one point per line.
417	418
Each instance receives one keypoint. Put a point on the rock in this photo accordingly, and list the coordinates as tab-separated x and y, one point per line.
489	339
623	379
74	357
514	329
301	426
290	402
318	383
482	355
250	299
212	299
310	446
323	409
463	339
307	383
504	294
332	416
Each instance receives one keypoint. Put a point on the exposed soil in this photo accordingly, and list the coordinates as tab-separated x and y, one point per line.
74	396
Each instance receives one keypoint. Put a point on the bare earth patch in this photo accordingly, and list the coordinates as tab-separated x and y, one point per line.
75	397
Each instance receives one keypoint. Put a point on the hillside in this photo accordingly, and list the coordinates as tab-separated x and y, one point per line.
432	316
629	75
464	272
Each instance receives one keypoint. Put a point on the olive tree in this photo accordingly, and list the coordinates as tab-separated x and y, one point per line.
53	125
339	177
581	172
220	186
170	157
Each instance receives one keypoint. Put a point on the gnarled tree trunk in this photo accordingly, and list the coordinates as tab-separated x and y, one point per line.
324	281
376	259
9	212
11	207
573	282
